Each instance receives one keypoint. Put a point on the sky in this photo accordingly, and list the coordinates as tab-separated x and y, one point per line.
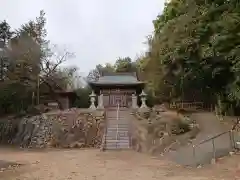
97	31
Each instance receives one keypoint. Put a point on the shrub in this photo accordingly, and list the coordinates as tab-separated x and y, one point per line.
180	127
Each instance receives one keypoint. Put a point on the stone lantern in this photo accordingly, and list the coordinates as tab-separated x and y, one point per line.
144	110
143	97
92	99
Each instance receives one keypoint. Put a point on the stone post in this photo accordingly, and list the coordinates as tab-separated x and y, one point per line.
92	99
100	102
143	99
134	101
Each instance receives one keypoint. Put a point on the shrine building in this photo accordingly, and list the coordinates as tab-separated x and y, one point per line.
117	89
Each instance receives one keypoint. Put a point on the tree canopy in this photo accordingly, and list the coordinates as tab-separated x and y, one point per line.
28	63
194	51
125	64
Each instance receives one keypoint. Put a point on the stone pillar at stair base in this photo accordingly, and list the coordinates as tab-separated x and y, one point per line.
100	102
134	101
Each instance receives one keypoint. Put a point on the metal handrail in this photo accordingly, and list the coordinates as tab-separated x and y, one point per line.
232	143
213	137
117	124
103	145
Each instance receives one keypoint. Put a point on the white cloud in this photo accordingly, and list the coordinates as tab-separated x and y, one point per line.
98	31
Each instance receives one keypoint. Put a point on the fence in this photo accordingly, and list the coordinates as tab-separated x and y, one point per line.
187	105
215	147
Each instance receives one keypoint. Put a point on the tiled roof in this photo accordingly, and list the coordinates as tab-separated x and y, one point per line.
118	78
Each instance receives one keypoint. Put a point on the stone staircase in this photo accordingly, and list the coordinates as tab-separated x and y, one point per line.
117	132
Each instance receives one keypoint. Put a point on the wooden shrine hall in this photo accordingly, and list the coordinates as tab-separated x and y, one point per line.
115	89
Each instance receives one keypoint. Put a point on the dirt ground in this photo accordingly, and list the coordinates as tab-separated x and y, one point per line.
117	165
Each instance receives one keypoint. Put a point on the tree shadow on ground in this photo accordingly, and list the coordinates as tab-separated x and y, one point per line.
6	164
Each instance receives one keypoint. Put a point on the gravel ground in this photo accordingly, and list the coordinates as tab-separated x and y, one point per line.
118	165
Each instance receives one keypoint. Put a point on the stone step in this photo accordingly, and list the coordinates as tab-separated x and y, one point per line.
117	147
114	141
114	131
117	144
118	124
115	114
120	133
116	137
117	127
115	117
119	138
118	121
122	120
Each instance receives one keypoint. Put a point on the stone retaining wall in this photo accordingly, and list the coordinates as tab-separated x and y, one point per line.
68	129
155	134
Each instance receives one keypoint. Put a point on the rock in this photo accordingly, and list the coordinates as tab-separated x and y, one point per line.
70	128
76	145
144	112
162	133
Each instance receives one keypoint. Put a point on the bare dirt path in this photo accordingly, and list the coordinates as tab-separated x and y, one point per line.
117	165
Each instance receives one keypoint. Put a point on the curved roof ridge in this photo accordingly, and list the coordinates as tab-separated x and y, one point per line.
119	74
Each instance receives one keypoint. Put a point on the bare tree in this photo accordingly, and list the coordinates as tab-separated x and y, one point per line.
50	72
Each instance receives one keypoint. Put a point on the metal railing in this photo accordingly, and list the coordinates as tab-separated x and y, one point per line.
215	147
117	132
103	144
187	105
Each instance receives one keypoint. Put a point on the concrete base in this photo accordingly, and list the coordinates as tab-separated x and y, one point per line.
213	161
238	145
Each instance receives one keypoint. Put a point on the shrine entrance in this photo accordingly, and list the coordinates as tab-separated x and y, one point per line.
115	97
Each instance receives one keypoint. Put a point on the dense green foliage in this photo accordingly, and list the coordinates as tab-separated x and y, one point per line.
82	100
193	55
121	65
194	52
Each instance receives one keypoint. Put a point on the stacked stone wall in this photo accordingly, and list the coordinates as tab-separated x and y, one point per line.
67	129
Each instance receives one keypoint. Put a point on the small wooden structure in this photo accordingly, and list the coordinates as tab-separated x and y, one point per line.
64	96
